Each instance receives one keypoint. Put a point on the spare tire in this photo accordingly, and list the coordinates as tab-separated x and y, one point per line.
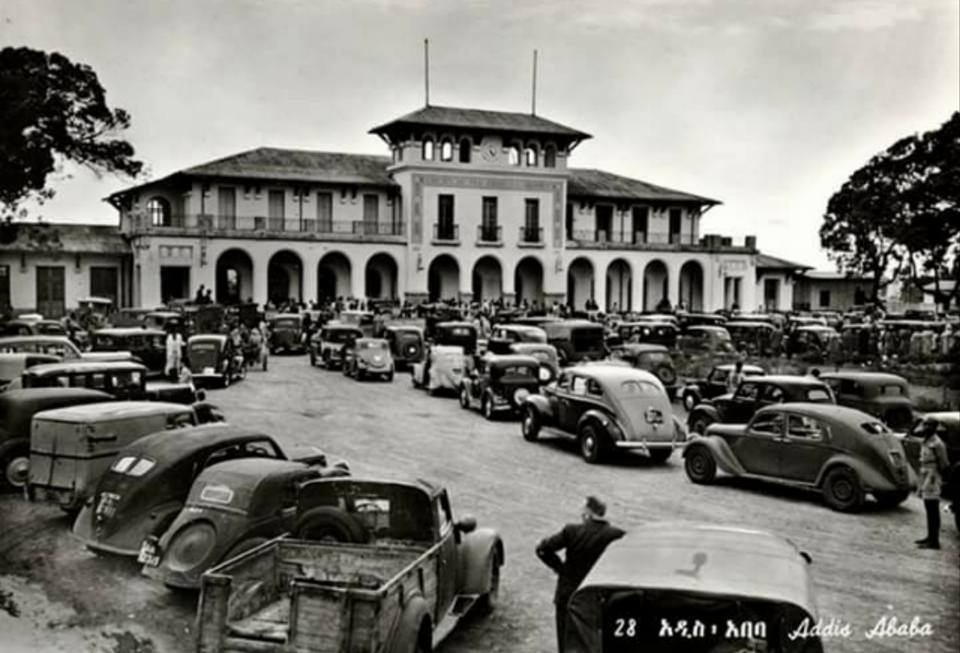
666	374
326	523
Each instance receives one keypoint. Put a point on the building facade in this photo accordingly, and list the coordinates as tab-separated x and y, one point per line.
469	205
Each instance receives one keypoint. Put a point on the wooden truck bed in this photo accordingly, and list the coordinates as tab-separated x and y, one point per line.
311	596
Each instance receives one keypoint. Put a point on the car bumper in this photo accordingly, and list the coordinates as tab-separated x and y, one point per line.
67	498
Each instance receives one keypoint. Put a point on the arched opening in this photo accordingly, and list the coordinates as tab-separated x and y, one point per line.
285	277
579	283
619	286
443	278
513	155
446	150
158	209
234	277
380	277
333	277
427	150
465	148
528	282
530	156
550	157
487	279
655	278
691	286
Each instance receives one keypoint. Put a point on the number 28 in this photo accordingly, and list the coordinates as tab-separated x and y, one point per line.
625	628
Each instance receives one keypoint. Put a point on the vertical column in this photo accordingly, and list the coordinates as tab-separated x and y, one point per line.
639	272
358	277
261	266
673	285
600	285
309	285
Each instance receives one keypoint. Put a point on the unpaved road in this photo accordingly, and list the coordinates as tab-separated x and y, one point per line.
54	596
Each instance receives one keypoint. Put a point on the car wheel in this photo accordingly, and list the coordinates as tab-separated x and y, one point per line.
660	456
689	401
891	499
700	466
842	490
488	602
464	397
330	525
591	445
16	468
530	425
700	424
487	407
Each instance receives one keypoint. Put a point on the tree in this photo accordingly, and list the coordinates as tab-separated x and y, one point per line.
53	110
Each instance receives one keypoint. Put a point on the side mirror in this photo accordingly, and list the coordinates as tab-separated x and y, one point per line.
466	525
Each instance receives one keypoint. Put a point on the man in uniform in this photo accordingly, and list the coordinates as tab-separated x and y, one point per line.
583	543
933	463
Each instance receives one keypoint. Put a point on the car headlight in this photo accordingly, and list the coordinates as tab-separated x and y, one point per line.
519	395
191	547
544	374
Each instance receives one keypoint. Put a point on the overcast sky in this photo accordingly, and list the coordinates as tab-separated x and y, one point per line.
767	105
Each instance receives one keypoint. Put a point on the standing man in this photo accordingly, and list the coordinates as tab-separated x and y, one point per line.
735	377
174	351
933	462
583	544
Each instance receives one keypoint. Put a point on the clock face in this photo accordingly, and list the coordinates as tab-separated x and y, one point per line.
489	150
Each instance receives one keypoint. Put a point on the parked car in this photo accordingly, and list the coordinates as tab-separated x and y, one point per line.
60	346
363	320
696	588
650	332
505	335
13	365
545	354
163	319
688	320
130	317
214	359
17	408
232	507
655	359
443	369
841	452
32	328
286	333
71	447
753	394
949	431
456	334
710	340
755	338
885	396
714	384
499	384
814	343
576	340
326	345
149	480
409	577
606	408
148	346
367	357
406	344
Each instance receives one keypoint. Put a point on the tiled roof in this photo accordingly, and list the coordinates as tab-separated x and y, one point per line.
72	239
584	182
772	262
299	165
482	119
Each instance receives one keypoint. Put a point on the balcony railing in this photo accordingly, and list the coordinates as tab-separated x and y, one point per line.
489	233
446	232
626	239
237	224
531	235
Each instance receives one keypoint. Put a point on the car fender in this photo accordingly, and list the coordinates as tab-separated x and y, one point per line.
870	478
414	619
543	407
680	433
13	445
475	550
609	424
691	388
721	452
703	409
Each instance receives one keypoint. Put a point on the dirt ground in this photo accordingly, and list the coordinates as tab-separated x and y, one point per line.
55	596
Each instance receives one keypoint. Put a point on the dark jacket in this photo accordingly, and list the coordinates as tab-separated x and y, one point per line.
583	544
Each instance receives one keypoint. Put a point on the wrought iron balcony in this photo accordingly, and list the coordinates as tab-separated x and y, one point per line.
489	234
238	226
446	232
531	235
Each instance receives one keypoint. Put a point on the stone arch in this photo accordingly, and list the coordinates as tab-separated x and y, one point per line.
528	281
285	277
334	276
580	282
691	286
380	277
443	278
487	279
234	272
619	286
655	279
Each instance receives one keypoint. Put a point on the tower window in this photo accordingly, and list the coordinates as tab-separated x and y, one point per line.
428	149
550	157
513	155
159	211
530	155
465	150
446	151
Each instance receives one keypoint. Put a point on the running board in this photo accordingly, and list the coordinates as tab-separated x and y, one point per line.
461	606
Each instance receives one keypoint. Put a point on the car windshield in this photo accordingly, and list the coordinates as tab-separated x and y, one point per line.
638	389
515	371
288	324
203	346
339	336
893	390
654	357
372	345
819	396
459	332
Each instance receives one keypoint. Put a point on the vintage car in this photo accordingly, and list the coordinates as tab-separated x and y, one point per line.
443	369
148	346
499	384
149	480
121	379
17	408
286	333
755	338
687	320
32	328
57	346
655	359
814	343
576	340
545	354
885	396
232	507
71	448
647	331
753	394
858	341
606	408
713	385
841	452
949	432
162	319
365	357
326	344
456	334
512	333
706	339
13	365
363	320
130	317
214	360
382	565
694	588
406	344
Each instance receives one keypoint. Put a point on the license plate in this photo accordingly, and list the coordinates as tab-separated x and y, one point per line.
148	554
208	370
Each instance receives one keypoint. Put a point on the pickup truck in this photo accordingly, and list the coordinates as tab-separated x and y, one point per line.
380	567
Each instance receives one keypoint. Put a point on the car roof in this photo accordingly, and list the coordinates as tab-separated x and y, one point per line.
526	328
737	561
86	366
164	314
787	379
129	331
712	328
731	366
504	360
16	340
208	337
379	341
612	373
749	323
341	326
404	327
255	470
291	316
42	395
429	487
643	347
868	377
110	410
833	412
454	324
185	441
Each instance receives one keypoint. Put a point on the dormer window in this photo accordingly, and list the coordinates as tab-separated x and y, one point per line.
530	156
446	150
550	157
513	155
465	150
159	211
428	149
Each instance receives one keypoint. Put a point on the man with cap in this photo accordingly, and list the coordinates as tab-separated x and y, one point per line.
933	463
583	543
